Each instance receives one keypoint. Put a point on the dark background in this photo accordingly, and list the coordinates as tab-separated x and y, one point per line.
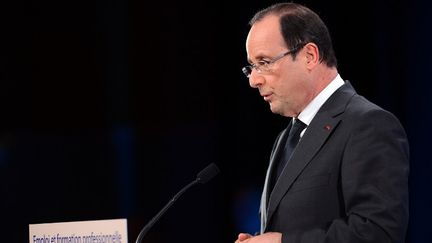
109	107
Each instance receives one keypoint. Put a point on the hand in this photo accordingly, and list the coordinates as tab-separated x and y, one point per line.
270	237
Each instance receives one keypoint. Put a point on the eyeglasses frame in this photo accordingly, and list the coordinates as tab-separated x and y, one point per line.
247	70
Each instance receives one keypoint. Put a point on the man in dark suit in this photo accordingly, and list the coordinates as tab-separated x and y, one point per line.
342	176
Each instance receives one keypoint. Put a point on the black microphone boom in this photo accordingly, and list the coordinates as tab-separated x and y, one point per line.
207	173
204	176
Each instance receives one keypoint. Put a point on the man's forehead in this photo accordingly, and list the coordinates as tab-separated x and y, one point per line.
264	36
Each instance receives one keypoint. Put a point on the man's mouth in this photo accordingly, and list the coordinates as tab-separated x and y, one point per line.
267	96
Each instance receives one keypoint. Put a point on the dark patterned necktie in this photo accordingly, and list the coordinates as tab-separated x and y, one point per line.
291	142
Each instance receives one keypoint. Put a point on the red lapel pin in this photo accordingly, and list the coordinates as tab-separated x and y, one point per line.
327	127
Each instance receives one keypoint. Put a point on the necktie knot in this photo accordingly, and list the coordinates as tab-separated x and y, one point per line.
295	131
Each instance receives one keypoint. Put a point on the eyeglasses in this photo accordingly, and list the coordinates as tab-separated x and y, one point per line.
264	66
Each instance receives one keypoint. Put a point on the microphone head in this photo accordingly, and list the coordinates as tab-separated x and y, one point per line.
207	173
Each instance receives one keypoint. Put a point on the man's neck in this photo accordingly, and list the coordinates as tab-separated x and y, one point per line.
323	76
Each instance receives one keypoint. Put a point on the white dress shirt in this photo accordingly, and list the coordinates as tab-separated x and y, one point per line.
312	108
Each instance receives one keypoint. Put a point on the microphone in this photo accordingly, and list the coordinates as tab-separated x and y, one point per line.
203	176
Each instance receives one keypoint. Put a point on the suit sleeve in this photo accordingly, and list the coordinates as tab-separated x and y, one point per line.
374	185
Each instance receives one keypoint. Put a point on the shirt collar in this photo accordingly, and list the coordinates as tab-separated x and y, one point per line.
312	108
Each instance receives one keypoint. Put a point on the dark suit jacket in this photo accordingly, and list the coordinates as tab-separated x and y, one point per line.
347	180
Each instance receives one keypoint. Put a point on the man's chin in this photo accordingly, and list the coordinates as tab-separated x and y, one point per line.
277	110
274	108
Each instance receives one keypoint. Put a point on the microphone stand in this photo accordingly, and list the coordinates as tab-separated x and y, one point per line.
164	209
205	175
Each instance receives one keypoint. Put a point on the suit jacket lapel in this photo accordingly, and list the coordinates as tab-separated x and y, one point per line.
274	155
323	124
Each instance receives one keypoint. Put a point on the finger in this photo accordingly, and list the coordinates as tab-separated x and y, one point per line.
244	236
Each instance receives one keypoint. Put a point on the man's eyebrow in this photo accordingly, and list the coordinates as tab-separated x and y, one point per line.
259	58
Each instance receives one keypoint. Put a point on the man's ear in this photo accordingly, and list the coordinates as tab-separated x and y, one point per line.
312	55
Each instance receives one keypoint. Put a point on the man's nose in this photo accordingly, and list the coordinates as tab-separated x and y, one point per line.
255	79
